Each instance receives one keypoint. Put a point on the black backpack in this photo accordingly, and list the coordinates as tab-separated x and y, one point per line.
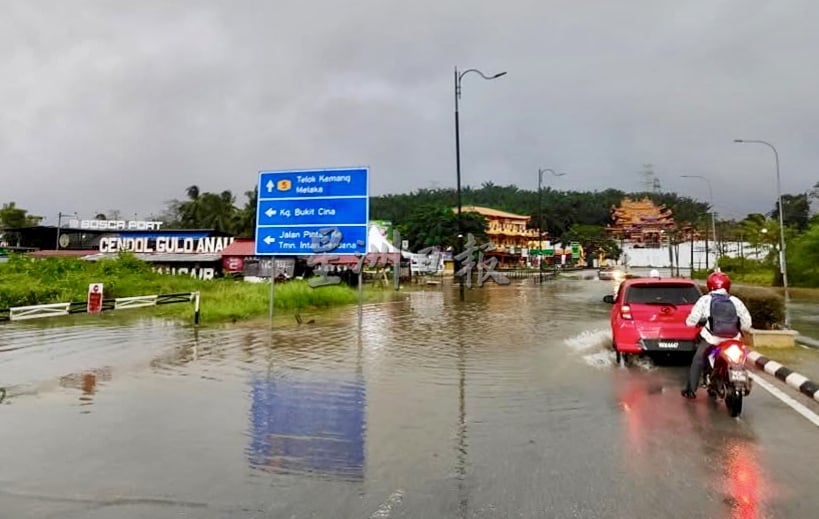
723	321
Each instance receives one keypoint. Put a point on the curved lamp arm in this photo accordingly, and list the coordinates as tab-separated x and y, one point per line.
459	77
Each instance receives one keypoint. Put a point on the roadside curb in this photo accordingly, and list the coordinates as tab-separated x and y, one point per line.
786	375
807	341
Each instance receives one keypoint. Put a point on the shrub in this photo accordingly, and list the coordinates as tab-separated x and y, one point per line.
767	308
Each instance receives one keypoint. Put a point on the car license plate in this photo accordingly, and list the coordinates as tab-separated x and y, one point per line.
668	345
738	376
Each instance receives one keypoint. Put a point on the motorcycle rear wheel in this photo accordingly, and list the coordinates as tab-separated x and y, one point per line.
733	401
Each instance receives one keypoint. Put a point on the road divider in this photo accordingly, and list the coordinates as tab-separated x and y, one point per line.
799	382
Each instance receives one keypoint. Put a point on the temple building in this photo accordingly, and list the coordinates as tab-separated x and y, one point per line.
506	231
518	246
641	222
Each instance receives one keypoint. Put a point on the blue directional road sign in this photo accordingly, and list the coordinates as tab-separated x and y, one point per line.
305	212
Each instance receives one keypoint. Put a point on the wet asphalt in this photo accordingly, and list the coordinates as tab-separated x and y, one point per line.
506	405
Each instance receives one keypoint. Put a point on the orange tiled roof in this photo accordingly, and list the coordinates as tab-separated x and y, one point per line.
487	211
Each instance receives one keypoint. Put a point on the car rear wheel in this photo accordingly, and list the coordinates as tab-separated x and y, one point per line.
623	359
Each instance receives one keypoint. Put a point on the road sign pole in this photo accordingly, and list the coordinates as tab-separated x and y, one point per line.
272	287
397	242
360	294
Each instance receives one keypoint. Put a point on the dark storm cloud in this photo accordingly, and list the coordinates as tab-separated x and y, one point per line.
111	105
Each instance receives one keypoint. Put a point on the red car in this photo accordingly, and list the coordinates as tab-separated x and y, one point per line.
649	314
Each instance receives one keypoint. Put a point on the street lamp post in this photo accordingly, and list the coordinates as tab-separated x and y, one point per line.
713	220
783	269
458	77
540	173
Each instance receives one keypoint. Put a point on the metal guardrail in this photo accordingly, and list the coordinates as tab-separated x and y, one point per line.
19	313
185	297
135	302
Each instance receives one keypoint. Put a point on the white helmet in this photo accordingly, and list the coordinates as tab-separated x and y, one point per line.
654	274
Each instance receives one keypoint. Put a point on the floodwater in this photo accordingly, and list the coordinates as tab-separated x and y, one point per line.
506	405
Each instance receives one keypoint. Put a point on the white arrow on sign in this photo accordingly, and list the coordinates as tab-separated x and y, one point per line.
269	239
270	186
270	212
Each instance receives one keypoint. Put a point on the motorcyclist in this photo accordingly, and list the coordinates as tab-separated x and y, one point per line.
718	284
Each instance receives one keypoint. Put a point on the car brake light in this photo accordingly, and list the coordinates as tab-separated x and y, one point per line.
625	312
734	354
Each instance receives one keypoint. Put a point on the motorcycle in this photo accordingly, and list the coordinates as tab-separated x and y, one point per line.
725	375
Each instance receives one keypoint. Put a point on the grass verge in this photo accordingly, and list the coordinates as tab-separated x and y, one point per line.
28	281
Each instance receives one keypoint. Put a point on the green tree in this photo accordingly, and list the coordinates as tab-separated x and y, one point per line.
761	232
190	211
594	240
206	211
246	219
803	258
796	211
12	217
430	225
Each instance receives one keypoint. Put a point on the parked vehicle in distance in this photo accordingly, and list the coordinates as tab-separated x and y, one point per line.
648	316
605	273
610	274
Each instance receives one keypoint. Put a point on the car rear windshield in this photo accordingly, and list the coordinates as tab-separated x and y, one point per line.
682	294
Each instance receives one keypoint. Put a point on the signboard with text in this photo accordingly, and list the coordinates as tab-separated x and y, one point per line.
115	225
304	212
94	305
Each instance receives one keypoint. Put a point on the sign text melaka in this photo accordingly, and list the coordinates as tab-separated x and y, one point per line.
166	244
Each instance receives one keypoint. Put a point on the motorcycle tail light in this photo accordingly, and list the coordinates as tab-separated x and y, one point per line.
625	312
734	354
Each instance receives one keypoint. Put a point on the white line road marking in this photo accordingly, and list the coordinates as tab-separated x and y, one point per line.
386	507
796	406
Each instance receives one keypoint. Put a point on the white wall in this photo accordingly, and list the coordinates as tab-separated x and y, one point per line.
660	257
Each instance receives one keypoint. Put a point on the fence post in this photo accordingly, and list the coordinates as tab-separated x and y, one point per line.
196	308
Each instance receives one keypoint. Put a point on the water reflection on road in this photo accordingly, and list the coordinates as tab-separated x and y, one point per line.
506	405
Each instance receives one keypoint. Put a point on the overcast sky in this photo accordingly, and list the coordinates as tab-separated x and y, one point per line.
122	105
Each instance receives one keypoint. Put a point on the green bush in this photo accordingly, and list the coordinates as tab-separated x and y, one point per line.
767	308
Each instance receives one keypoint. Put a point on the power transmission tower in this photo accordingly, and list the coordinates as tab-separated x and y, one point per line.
649	182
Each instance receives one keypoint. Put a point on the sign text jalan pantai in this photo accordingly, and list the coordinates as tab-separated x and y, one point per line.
166	244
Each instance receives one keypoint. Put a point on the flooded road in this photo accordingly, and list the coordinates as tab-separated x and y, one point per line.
507	405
